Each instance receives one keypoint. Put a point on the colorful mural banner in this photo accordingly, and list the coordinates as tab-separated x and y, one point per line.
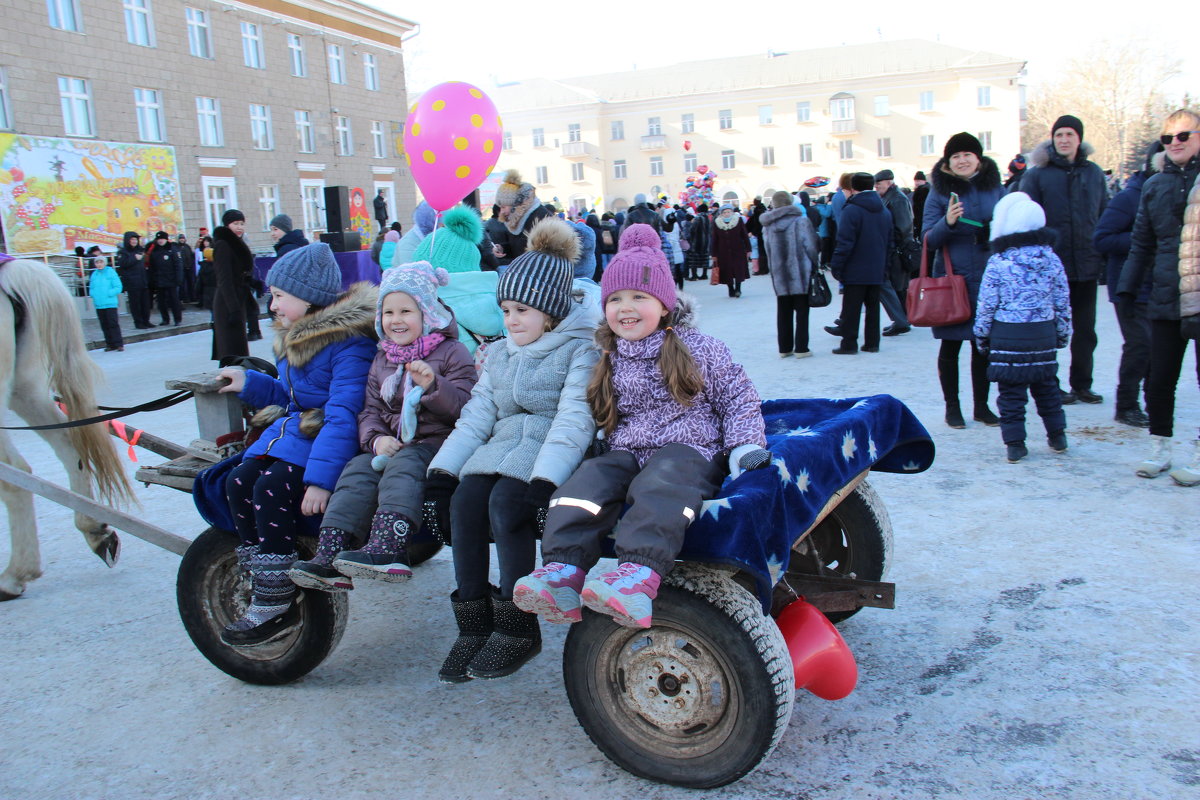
57	193
360	217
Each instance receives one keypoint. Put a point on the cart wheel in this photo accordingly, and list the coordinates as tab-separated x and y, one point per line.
855	540
212	591
697	700
422	547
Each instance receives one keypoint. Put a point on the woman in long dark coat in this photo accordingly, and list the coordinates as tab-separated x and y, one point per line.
731	249
699	237
233	264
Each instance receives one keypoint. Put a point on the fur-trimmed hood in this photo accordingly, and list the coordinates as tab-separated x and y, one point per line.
1045	154
520	214
352	314
944	181
1042	236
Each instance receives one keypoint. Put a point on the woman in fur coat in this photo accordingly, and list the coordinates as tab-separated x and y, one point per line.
233	265
730	249
791	244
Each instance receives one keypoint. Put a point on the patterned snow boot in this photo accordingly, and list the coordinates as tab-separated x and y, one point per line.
385	557
271	611
319	573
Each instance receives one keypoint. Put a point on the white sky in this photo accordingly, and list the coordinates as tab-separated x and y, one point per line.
502	41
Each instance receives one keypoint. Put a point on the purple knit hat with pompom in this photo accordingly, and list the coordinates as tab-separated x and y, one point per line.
641	265
420	281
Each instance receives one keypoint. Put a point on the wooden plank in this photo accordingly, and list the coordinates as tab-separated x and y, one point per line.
102	513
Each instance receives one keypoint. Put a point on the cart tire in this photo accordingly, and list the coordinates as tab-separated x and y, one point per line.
697	700
212	591
855	540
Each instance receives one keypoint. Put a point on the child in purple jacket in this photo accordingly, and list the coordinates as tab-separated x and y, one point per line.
676	410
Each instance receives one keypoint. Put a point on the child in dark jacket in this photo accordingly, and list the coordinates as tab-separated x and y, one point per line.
323	347
419	382
1024	314
676	410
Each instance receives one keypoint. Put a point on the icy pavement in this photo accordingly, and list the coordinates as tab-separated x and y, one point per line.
1043	644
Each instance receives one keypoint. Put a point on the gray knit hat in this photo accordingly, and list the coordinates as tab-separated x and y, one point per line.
541	276
281	221
310	273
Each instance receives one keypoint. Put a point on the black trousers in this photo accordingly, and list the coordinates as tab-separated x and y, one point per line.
252	312
855	298
791	322
1134	370
495	504
168	304
264	495
1012	399
1083	339
361	491
110	326
187	294
664	496
139	306
1167	349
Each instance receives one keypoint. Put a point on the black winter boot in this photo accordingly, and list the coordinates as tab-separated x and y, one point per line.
474	618
516	639
948	376
980	385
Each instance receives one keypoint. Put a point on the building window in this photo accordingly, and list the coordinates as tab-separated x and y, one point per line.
654	126
804	111
75	96
139	29
268	203
983	96
985	139
6	120
884	147
577	172
881	105
304	132
296	55
768	156
617	127
574	132
926	102
689	162
728	160
64	14
220	195
260	127
539	137
765	115
149	115
541	176
619	169
927	145
806	154
344	137
842	108
312	191
252	46
656	165
506	141
199	34
378	142
208	116
370	72
337	64
725	119
687	123
845	150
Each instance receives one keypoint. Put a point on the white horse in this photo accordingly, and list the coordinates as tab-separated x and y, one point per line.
42	350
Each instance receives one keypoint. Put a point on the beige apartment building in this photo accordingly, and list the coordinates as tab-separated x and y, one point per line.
761	122
255	104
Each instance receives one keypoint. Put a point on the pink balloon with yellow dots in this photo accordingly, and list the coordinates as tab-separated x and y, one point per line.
451	142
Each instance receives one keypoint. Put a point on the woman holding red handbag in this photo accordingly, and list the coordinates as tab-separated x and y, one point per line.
957	219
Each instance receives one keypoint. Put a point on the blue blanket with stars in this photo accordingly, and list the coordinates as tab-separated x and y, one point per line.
819	446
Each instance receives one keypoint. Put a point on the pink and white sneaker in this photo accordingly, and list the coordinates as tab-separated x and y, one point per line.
552	592
625	594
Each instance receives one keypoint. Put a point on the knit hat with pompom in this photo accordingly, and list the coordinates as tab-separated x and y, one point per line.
420	281
640	265
541	276
455	246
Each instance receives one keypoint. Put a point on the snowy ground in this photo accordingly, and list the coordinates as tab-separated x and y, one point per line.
1043	644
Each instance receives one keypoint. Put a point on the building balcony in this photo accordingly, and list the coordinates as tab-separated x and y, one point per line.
655	141
844	127
577	151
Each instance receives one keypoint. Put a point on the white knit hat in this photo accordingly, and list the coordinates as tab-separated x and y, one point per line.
1016	213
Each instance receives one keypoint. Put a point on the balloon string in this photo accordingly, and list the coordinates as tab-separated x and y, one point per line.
437	217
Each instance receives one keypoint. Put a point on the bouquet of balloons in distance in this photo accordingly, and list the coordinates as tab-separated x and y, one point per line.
699	188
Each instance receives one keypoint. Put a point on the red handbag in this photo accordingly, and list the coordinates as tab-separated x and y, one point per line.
933	302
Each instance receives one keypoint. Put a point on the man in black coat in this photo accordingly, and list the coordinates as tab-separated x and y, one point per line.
860	261
894	290
135	280
1072	191
920	192
166	274
187	289
642	212
381	210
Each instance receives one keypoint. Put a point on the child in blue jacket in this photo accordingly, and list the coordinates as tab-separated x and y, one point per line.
104	286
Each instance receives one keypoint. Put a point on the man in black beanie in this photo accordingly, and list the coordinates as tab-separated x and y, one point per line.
1072	191
864	234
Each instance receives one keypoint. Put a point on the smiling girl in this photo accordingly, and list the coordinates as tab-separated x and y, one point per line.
522	434
677	412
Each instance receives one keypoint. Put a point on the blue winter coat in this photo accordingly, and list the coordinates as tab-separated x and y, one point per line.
1073	195
292	240
323	361
966	244
1114	231
1024	282
864	236
105	287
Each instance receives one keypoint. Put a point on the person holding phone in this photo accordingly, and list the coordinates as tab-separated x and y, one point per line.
957	219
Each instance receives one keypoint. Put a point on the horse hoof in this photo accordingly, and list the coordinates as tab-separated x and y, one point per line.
109	549
8	595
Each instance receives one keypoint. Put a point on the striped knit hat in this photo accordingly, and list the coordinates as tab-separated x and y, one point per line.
541	276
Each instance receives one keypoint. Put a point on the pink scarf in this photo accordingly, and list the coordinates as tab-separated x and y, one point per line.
403	354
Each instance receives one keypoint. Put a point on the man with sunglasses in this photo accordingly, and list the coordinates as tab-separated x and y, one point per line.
1072	191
